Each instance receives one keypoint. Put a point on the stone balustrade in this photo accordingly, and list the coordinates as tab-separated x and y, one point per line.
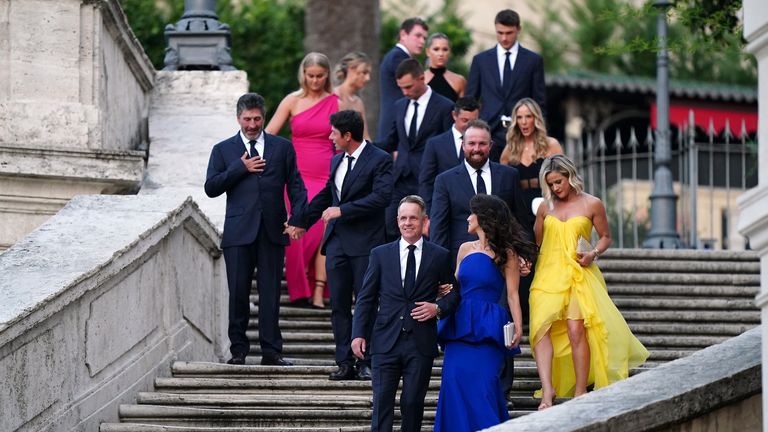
101	299
74	101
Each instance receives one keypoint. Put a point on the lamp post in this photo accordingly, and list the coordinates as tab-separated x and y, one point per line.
663	234
198	41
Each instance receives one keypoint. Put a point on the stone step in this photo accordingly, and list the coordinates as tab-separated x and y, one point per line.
703	317
642	255
244	417
221	370
727	291
677	279
683	329
678	266
689	302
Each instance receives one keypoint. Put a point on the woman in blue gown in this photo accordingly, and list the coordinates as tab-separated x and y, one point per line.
471	395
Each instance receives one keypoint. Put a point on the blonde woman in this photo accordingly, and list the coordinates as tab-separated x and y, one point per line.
578	335
308	110
353	72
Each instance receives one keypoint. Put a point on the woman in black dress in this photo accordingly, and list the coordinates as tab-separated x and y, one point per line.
439	78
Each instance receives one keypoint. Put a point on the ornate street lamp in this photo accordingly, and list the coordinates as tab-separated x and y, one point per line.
663	234
198	41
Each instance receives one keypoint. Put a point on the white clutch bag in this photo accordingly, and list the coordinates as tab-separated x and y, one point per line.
583	246
509	333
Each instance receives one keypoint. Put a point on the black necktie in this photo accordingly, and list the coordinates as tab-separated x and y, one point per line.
410	270
254	152
480	182
412	131
506	80
349	170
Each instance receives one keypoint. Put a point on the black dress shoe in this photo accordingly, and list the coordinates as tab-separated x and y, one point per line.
237	359
274	360
363	373
345	372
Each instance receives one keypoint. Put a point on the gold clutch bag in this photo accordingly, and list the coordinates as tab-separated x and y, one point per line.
583	246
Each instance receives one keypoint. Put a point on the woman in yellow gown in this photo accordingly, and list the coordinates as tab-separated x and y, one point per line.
578	335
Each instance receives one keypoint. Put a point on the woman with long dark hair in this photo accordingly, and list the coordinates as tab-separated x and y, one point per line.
471	395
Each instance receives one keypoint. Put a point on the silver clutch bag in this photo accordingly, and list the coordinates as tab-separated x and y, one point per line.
583	246
509	333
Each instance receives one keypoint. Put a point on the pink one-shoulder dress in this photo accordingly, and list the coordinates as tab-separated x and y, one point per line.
310	130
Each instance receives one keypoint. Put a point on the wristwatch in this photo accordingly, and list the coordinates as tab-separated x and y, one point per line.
438	312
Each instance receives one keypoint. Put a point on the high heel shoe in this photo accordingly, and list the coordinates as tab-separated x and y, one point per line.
319	285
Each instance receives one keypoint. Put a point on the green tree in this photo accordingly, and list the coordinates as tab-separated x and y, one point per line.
267	43
148	19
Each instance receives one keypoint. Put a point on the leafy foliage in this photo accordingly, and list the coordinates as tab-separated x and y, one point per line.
611	36
148	19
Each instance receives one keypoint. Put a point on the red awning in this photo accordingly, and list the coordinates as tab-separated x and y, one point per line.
718	115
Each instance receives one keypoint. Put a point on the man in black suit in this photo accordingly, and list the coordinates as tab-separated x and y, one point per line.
352	204
420	115
413	33
400	290
254	168
443	151
504	74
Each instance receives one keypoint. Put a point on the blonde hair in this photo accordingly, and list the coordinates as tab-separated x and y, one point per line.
513	150
314	59
560	164
350	61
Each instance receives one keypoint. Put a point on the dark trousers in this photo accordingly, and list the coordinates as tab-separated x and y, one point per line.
345	278
240	261
507	373
406	361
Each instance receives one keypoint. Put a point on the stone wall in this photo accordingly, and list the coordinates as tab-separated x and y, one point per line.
97	302
697	393
74	100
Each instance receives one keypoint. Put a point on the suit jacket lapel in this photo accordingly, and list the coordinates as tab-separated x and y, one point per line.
519	61
493	63
335	162
495	180
268	146
400	110
426	260
429	114
466	182
358	167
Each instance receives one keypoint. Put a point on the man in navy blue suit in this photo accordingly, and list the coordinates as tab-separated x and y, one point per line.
400	290
418	116
254	168
504	74
352	204
443	152
455	187
413	33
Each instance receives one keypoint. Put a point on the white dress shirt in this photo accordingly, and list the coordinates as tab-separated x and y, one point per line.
486	176
423	101
341	171
404	257
259	144
457	140
501	57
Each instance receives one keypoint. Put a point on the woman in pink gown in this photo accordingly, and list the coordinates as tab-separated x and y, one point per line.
308	111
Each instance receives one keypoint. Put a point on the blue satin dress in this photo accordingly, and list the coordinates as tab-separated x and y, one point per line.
471	395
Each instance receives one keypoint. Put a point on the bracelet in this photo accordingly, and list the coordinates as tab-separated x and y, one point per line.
597	253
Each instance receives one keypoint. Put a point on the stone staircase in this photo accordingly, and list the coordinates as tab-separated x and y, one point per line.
676	302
